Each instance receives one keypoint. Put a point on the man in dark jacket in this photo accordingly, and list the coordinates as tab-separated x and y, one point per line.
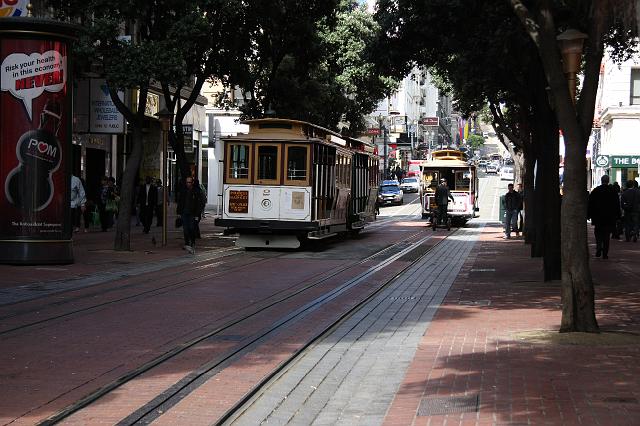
512	206
630	203
147	200
442	200
604	211
190	209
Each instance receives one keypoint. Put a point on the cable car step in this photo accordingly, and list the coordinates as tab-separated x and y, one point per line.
319	235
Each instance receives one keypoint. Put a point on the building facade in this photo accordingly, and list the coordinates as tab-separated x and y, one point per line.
615	146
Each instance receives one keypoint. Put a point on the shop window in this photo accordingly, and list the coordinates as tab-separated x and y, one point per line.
267	164
635	86
297	161
238	167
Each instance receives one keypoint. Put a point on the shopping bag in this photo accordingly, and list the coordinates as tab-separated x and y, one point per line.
111	206
95	217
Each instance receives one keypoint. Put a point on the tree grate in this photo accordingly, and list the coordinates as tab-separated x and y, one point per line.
433	406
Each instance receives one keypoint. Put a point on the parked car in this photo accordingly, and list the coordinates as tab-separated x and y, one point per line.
410	184
390	193
491	168
507	173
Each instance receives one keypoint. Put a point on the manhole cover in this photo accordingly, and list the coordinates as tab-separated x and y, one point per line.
448	405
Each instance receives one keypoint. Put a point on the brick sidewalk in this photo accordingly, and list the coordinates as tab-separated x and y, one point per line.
93	252
492	346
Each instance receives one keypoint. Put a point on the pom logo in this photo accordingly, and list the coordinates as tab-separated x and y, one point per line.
40	149
13	8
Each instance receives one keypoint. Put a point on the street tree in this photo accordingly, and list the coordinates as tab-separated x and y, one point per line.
475	142
604	23
126	43
472	60
204	39
328	80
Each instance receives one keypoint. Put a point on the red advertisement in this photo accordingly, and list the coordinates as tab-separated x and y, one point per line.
34	117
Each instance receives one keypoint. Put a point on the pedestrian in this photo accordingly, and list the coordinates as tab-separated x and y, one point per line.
512	205
619	224
105	202
189	209
78	201
135	210
147	201
630	203
521	209
443	195
603	210
159	203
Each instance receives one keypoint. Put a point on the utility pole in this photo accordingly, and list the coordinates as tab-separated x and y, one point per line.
383	131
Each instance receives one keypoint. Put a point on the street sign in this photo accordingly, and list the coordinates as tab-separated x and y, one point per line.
430	121
373	131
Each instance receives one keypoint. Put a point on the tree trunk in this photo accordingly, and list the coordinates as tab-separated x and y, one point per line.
529	204
537	236
123	228
545	118
578	298
578	304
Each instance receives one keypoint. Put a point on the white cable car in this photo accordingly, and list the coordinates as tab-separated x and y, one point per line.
287	181
462	180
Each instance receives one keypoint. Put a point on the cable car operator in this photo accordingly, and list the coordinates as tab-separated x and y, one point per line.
442	200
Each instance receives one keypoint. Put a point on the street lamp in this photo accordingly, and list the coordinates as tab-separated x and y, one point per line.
165	116
571	42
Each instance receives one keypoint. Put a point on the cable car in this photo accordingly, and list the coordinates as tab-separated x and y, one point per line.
288	181
462	179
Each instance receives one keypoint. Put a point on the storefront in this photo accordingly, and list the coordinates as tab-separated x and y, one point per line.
621	168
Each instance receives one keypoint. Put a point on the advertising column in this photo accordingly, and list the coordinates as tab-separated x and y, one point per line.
35	143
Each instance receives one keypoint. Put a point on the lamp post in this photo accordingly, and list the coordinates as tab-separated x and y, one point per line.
571	42
165	116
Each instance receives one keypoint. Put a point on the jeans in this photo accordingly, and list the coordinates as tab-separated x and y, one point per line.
510	221
603	235
189	229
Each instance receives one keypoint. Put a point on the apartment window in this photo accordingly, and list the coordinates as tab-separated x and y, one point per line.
635	86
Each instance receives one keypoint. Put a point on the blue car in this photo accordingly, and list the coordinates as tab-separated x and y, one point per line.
390	193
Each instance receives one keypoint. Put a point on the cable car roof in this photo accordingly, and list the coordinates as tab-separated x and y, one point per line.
282	129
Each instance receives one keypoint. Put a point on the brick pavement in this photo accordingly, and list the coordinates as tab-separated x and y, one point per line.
493	340
94	256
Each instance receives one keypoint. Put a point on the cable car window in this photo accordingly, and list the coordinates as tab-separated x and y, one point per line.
463	180
297	160
238	158
267	164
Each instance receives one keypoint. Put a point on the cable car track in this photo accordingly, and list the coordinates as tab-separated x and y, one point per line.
151	292
399	248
